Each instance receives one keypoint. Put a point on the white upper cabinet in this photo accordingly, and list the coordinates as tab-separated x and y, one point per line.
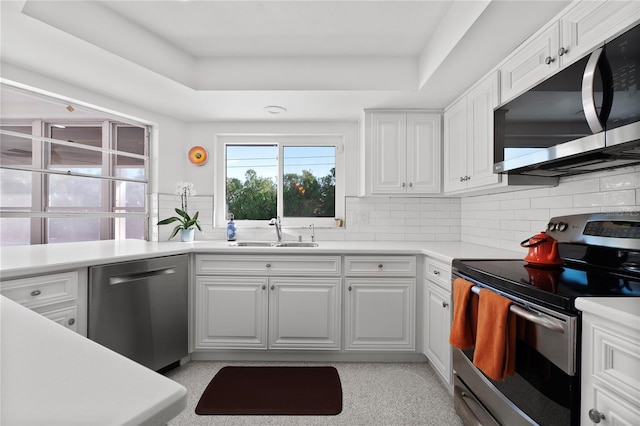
468	138
583	27
401	153
531	64
591	22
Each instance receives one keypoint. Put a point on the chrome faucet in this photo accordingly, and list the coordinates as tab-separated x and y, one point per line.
276	222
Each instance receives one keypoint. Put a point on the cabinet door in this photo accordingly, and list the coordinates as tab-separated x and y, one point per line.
423	153
388	156
436	339
480	104
531	64
455	146
380	314
590	23
231	312
304	313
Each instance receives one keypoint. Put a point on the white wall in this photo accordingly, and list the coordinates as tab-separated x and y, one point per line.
504	220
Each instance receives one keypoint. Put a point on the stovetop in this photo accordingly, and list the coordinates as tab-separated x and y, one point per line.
556	287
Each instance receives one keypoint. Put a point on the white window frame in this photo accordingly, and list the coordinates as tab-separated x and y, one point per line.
281	140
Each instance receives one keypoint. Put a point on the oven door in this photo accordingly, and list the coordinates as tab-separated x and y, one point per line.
545	388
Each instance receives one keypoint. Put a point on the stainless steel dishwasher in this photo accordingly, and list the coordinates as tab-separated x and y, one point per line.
139	309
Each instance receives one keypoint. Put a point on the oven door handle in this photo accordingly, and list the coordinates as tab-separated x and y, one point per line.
550	323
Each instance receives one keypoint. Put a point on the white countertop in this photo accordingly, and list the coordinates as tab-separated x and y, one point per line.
51	375
36	259
623	310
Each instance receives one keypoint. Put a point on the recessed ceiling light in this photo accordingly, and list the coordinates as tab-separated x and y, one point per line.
275	109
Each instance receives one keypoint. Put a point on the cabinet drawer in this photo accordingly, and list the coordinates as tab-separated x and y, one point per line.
268	265
439	273
66	317
380	266
41	291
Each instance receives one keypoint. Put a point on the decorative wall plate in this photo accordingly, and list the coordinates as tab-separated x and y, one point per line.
198	155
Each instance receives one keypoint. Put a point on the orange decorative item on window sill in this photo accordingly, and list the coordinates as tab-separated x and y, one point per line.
198	155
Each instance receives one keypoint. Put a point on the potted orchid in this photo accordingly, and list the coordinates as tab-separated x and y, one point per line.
186	224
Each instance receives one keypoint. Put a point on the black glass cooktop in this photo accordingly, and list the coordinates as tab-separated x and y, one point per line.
555	287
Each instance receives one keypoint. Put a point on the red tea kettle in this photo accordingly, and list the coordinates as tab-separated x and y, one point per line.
543	250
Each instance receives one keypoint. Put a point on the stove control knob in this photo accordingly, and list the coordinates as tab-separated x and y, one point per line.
551	226
562	226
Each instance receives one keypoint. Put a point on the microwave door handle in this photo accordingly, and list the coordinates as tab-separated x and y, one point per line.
588	93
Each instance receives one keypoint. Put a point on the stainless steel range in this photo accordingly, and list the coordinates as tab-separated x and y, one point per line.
600	257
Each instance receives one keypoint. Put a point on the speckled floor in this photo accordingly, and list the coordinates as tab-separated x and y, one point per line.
373	394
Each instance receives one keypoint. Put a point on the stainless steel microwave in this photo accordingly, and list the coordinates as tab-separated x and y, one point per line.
582	119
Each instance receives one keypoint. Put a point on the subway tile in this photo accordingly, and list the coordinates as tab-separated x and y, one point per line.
612	198
582	186
521	203
552	202
625	181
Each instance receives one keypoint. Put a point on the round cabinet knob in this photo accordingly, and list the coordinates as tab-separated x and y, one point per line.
595	415
445	304
349	288
404	184
410	184
273	287
268	265
461	179
35	293
264	287
562	51
380	266
548	60
436	272
71	321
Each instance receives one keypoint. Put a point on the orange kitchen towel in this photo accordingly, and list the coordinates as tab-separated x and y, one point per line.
462	327
496	340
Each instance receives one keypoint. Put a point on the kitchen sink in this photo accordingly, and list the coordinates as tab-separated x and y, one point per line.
272	244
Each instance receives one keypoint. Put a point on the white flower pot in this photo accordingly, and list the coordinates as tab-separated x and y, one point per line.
186	235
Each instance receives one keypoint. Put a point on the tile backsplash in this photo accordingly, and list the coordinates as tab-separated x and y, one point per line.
498	220
503	220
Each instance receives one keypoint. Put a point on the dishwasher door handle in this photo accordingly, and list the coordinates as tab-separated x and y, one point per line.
127	278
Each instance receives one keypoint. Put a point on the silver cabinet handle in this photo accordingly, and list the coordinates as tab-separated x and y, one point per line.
595	415
35	293
548	60
71	321
445	304
562	51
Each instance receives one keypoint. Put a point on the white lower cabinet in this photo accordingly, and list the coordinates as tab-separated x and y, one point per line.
610	368
437	311
380	314
260	311
304	313
268	313
61	297
231	312
436	341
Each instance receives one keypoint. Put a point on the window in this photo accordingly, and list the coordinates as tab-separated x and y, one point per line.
296	178
79	181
